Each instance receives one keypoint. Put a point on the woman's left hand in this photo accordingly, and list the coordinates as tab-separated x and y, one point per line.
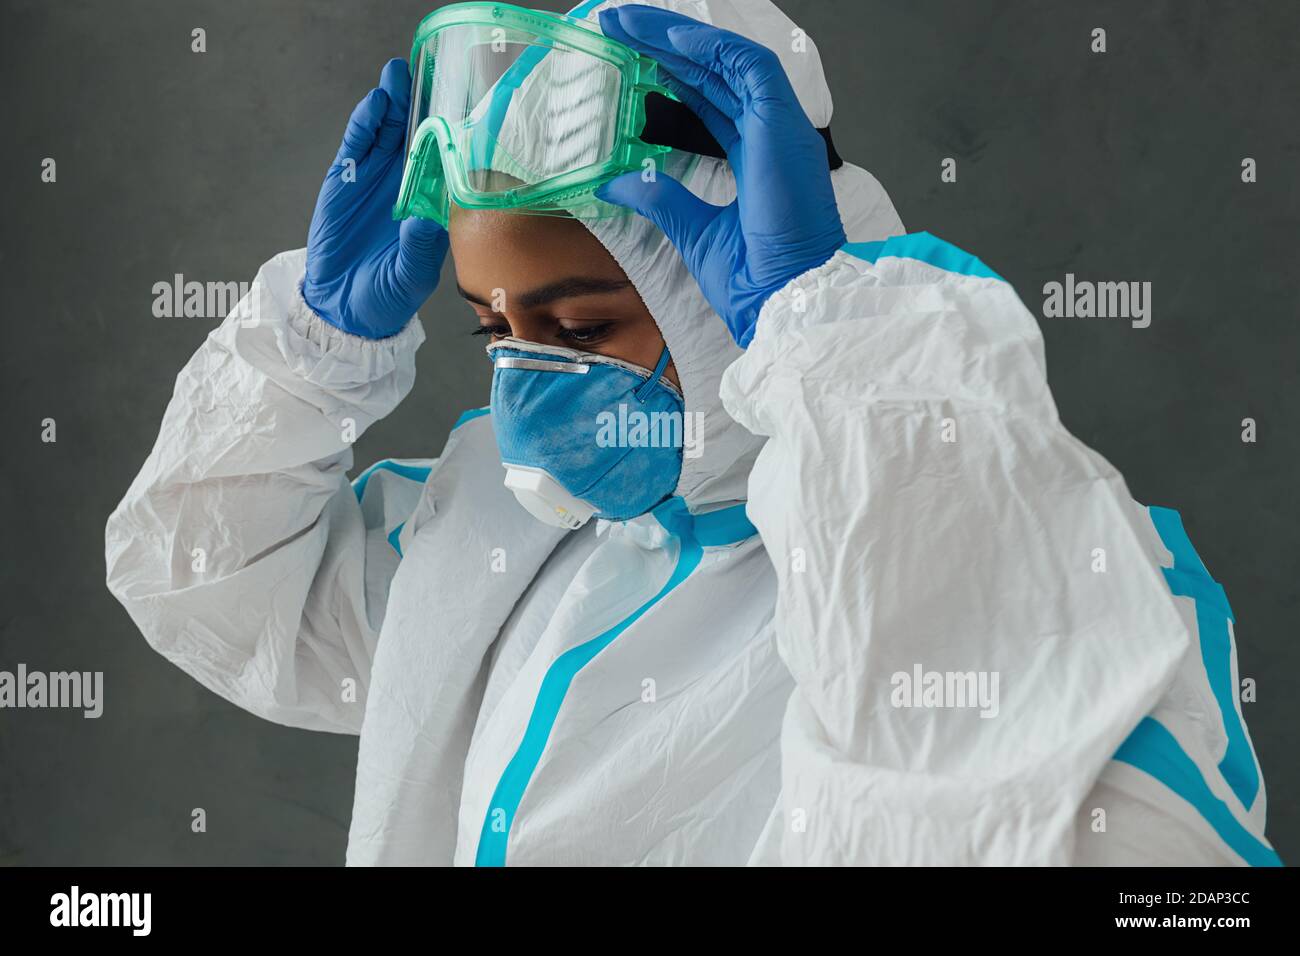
784	220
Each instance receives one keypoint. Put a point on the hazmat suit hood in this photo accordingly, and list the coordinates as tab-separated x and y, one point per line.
695	334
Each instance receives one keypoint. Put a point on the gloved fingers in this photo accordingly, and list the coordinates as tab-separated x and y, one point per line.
645	29
421	248
395	81
363	127
715	121
750	70
683	216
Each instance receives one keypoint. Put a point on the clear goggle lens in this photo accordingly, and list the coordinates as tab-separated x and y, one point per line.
510	111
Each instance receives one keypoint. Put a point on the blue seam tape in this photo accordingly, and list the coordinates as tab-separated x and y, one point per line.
1152	749
1190	578
418	473
923	247
471	414
723	527
674	517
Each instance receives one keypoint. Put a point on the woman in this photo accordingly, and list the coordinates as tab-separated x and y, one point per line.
886	611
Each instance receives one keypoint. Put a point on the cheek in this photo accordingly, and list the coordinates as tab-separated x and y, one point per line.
638	334
639	342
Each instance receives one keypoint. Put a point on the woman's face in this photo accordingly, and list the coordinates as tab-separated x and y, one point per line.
548	280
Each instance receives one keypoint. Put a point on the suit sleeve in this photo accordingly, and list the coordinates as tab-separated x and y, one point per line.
971	620
241	551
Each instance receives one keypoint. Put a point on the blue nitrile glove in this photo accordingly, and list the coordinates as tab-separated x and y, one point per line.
784	220
367	274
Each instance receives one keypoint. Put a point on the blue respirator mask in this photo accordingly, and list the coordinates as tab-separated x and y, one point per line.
582	434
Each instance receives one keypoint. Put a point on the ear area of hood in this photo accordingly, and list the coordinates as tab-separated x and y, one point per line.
695	334
697	338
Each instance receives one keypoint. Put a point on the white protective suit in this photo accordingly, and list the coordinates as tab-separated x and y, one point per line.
682	689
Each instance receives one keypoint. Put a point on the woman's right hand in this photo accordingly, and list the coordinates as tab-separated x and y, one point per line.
367	274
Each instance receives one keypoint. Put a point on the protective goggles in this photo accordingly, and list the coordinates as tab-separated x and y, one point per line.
519	109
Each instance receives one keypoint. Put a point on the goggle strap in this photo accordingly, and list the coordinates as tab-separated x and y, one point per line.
672	123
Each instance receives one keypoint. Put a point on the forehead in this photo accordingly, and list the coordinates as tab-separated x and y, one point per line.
493	249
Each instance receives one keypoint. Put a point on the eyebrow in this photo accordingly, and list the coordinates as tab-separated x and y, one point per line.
568	288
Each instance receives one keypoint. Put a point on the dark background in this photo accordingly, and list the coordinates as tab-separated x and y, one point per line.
1122	166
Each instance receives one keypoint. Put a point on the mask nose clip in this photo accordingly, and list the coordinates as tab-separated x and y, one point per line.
644	391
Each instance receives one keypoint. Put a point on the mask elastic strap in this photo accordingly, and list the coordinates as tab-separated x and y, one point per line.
644	391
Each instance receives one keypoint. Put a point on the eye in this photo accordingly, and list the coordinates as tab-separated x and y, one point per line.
587	335
496	331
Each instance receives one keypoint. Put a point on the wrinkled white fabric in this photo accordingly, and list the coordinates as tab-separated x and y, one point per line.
742	710
955	525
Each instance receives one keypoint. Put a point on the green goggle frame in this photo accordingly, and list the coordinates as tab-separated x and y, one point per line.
436	172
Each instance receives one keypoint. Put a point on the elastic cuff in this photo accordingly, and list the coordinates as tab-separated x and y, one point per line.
795	303
325	355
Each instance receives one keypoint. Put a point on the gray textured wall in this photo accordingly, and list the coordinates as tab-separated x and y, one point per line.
1122	166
